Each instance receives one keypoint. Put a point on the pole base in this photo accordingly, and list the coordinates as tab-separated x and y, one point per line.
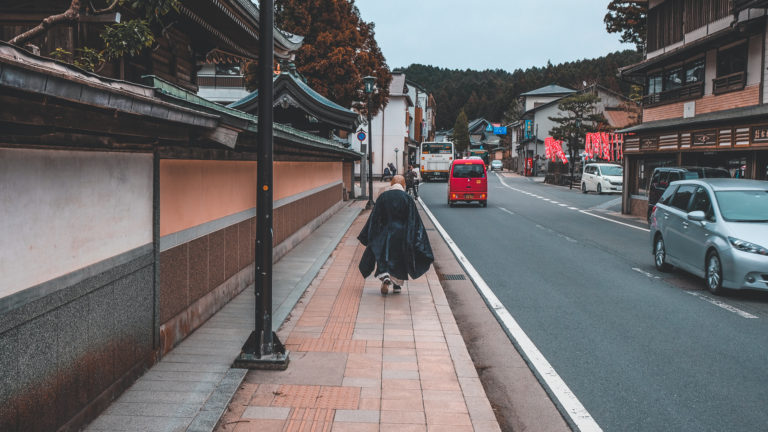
253	357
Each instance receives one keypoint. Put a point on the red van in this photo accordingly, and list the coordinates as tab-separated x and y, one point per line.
467	181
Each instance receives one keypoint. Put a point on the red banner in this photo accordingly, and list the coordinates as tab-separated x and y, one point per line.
604	145
553	150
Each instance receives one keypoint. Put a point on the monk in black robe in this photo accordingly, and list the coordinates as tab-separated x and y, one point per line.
396	241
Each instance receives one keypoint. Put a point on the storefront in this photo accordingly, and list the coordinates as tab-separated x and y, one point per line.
735	139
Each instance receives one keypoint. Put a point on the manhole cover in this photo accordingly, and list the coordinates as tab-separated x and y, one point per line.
452	277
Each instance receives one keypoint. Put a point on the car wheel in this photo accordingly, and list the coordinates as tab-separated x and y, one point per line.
599	189
714	273
660	255
483	203
583	187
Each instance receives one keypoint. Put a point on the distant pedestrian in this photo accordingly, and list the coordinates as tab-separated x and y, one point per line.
396	242
412	181
392	168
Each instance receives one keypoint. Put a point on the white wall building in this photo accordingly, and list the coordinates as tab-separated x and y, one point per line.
389	129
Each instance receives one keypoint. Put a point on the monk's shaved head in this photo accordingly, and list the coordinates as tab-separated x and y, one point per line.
398	179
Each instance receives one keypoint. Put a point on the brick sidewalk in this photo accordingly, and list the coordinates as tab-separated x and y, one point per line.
362	362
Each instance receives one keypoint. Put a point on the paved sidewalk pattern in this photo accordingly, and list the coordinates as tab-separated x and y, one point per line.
189	389
362	362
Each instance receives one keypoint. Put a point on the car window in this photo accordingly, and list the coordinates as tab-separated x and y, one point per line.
690	175
743	205
667	196
664	180
612	170
682	197
716	173
655	179
468	171
674	176
701	201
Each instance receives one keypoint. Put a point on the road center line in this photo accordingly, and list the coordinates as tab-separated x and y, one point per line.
569	403
645	273
723	305
581	211
506	211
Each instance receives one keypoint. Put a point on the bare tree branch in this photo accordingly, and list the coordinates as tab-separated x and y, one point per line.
70	15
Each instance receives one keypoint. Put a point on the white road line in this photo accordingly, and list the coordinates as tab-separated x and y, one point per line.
563	205
558	388
723	305
587	212
643	272
614	221
506	211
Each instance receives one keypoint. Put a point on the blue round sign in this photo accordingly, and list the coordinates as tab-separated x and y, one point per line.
361	136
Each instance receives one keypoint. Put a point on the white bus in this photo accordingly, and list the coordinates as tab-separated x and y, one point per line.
435	160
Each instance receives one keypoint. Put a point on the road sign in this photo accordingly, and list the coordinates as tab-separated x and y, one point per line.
361	136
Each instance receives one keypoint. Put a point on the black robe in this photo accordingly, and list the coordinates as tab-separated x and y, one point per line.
395	237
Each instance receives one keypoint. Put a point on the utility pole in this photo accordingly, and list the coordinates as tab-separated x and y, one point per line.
263	350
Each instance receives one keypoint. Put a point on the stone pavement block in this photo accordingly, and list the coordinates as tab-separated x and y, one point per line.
152	409
356	416
107	422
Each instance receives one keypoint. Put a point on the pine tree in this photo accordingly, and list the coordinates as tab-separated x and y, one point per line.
339	50
461	133
579	119
629	19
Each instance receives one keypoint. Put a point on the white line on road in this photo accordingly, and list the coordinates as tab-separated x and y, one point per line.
558	388
643	272
505	210
722	304
581	211
614	221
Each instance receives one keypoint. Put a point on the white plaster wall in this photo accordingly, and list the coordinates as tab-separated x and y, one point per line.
64	210
389	131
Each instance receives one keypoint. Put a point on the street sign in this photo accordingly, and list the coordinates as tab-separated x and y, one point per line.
361	136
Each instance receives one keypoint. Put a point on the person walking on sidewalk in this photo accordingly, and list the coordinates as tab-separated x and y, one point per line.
396	241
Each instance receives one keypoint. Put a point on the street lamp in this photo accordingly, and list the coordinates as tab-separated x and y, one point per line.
369	83
397	164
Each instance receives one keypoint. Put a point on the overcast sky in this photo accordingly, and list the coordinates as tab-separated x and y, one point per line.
489	34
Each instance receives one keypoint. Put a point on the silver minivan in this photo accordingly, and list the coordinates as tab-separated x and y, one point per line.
716	229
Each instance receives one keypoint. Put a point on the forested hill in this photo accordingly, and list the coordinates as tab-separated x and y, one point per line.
489	93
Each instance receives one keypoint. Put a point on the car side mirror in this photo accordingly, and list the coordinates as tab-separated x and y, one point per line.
697	216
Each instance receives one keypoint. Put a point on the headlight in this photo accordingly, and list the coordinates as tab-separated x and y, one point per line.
746	246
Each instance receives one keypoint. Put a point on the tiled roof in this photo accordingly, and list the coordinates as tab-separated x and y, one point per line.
551	89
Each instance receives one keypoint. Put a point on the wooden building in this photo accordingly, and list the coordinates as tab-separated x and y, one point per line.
704	103
128	209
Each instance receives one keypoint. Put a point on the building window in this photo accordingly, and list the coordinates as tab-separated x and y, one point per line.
694	71
673	78
732	60
731	69
676	83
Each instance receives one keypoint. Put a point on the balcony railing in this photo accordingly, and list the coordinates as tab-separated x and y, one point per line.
689	91
728	83
219	81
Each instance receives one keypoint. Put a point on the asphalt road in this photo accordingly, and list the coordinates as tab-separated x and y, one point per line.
641	350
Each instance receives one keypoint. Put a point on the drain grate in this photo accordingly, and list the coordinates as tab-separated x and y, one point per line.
452	277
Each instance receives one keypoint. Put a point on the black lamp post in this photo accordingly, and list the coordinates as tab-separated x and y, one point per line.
369	82
263	349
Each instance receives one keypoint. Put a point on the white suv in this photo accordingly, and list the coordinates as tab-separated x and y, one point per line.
602	177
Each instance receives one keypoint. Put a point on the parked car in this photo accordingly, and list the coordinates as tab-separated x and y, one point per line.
496	165
663	176
468	182
602	177
716	229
